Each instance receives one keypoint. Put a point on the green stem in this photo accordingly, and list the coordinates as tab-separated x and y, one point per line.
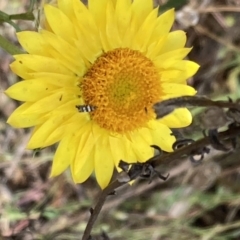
9	47
32	3
6	18
22	16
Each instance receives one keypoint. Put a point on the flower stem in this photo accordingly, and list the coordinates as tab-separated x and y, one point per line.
97	209
170	159
9	47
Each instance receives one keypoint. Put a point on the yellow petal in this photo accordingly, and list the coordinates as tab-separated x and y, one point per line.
20	119
172	90
66	6
139	42
83	164
161	135
179	72
163	24
43	131
86	169
179	118
160	33
155	47
87	31
166	60
130	34
98	9
117	149
65	154
21	70
103	162
86	145
72	124
57	79
69	56
41	64
56	135
140	11
111	27
31	90
141	141
172	75
59	23
121	149
123	17
67	149
174	41
33	43
51	102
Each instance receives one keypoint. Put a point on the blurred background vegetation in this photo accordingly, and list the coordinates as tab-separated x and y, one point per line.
200	202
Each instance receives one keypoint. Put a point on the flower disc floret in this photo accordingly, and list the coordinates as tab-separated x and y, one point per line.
123	84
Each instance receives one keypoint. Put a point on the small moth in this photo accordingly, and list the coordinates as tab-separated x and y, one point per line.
85	108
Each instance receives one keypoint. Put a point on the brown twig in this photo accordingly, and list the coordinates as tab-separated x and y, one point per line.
95	212
160	161
219	9
167	106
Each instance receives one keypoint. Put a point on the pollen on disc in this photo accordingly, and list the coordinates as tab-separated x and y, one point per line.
123	84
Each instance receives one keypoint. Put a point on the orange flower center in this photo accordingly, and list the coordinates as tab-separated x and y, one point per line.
123	85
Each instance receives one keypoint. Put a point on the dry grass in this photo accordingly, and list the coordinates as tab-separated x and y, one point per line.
195	203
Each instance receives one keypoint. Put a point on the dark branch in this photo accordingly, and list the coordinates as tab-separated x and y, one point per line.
95	211
167	159
164	108
160	161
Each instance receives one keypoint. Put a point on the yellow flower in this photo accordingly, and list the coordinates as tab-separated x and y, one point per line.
91	77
